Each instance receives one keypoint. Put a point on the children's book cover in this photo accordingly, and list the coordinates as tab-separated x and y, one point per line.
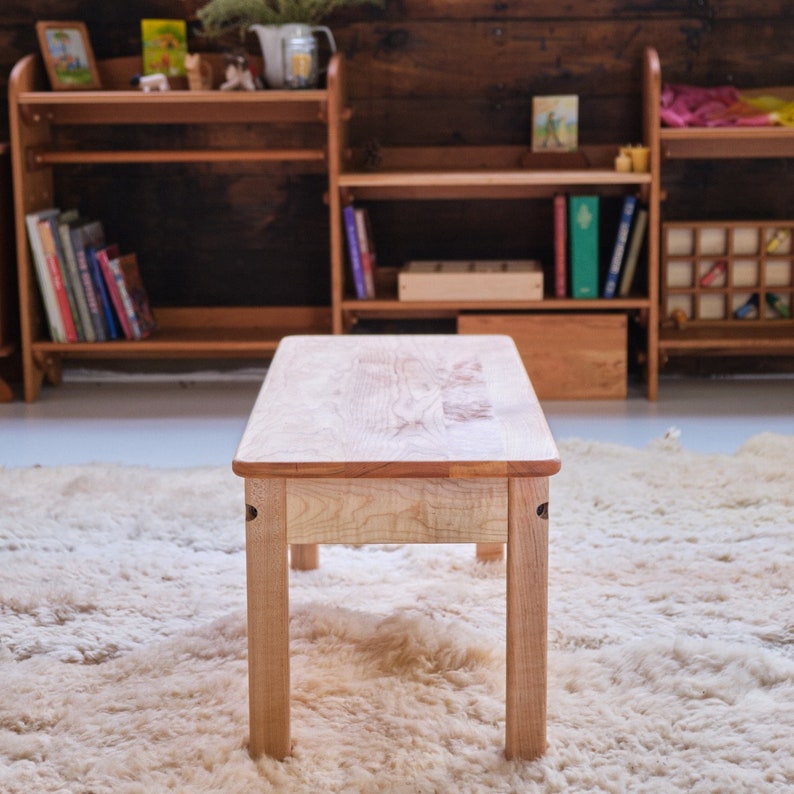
555	123
164	46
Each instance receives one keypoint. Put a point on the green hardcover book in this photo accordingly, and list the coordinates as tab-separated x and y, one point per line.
583	237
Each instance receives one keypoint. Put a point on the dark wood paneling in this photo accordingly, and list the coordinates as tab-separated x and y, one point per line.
422	72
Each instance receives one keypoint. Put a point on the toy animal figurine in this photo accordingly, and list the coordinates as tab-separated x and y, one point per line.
238	75
150	82
199	72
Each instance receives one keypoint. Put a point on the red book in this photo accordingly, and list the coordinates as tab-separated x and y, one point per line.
560	247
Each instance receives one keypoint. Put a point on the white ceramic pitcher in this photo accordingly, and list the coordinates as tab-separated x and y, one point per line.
271	40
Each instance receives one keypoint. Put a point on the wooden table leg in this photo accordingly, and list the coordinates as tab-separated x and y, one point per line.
267	576
304	556
527	605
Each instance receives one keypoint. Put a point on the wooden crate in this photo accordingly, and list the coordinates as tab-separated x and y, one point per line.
567	356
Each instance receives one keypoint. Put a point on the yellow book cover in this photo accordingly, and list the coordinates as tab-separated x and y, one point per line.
164	46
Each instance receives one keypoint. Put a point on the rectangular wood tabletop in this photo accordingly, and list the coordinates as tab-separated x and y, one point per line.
435	405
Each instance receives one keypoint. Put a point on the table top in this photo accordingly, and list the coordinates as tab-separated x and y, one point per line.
402	405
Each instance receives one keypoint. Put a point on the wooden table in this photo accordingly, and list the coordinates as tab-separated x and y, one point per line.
350	440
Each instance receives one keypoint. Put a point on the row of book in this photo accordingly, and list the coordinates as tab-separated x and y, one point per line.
361	250
577	247
91	291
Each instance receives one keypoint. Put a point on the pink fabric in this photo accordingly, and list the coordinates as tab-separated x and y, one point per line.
691	106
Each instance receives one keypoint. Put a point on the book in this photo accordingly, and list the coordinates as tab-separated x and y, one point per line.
366	246
65	222
134	299
164	43
104	257
583	219
80	235
92	250
51	310
349	215
555	123
46	227
633	252
619	247
560	246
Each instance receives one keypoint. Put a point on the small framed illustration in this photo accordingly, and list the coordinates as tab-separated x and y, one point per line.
68	56
555	123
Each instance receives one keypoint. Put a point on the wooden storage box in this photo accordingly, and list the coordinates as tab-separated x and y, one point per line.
567	356
496	280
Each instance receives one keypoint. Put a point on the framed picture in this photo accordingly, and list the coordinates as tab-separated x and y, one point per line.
68	56
555	123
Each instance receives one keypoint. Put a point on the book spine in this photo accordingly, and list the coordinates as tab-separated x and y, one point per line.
560	246
78	288
367	262
355	254
51	310
56	278
619	248
104	297
126	301
92	299
630	267
104	257
583	217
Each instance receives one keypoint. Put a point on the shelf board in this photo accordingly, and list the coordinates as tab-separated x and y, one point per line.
748	338
547	304
231	332
726	142
506	183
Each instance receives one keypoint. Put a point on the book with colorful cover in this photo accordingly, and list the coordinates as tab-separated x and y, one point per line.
104	257
81	297
583	220
164	46
633	253
620	246
82	236
51	311
560	246
48	233
131	274
366	246
108	311
349	215
129	285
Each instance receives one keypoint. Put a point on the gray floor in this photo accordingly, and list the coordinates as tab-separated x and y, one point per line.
197	418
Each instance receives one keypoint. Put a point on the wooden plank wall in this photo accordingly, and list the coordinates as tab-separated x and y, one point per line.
422	72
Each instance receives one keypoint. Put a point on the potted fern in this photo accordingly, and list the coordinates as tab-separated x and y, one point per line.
221	16
273	21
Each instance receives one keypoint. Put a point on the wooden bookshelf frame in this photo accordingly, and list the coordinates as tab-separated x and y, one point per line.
185	332
727	336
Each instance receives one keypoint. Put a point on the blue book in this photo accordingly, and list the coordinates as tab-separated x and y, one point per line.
583	241
619	248
354	251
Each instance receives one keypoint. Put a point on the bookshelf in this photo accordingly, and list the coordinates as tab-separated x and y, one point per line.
483	173
36	114
705	320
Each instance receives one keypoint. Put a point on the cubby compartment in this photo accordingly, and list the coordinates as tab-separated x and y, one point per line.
727	272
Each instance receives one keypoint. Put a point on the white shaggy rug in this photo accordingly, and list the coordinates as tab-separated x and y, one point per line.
671	629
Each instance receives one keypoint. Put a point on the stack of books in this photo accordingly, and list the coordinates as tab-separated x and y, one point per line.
90	290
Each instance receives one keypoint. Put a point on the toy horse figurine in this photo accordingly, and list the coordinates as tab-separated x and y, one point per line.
199	72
